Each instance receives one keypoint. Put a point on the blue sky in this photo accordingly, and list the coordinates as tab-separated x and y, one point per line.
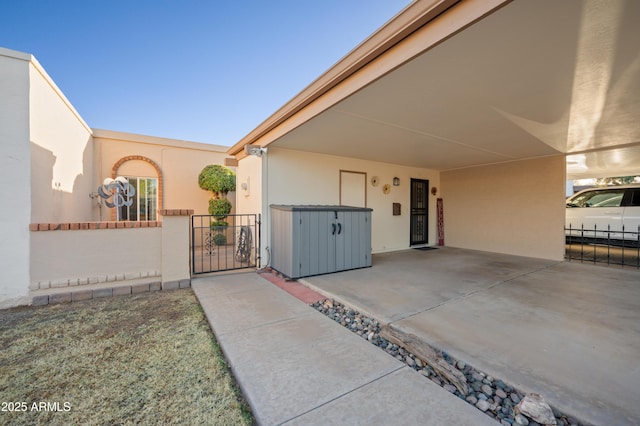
199	70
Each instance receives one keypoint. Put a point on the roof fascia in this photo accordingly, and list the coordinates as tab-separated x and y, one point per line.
405	25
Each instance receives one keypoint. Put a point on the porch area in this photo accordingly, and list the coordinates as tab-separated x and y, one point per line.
566	330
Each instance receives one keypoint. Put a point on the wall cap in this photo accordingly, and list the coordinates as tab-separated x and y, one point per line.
176	212
72	226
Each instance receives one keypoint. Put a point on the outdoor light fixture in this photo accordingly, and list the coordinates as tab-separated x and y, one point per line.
396	181
256	150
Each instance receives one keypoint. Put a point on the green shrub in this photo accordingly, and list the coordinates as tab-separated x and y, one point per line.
217	179
220	239
219	207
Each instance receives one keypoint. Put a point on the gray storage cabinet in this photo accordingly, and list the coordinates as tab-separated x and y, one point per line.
314	240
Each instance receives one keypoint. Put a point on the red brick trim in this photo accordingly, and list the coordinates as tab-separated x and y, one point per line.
175	212
93	225
120	162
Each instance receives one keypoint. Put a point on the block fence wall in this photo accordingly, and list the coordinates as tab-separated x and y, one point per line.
74	255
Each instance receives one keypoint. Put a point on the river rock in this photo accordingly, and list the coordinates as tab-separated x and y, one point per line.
501	393
487	390
449	388
477	376
483	405
535	407
409	361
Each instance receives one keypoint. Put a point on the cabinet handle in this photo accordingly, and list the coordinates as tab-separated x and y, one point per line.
339	228
333	229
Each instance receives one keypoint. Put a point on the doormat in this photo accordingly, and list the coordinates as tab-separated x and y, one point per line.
425	248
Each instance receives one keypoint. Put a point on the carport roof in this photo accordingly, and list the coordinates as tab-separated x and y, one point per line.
447	85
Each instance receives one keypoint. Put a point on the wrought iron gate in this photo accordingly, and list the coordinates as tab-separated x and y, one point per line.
224	243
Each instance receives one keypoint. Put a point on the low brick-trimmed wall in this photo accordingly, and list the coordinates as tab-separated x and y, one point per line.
71	226
125	290
109	258
75	255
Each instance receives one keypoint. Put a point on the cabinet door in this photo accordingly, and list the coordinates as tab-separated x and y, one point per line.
354	240
316	248
341	240
361	239
329	241
325	247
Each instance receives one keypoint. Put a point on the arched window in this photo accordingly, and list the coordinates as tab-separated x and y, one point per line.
148	198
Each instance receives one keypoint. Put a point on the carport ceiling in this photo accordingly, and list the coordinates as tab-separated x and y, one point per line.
534	78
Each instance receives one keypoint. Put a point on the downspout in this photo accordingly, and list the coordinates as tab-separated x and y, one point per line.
265	205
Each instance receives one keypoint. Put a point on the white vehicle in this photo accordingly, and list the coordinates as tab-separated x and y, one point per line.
610	215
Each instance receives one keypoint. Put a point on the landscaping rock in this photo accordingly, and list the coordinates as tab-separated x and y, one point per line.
486	389
535	407
483	405
449	388
500	393
489	394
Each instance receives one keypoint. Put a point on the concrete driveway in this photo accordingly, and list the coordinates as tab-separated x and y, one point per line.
568	331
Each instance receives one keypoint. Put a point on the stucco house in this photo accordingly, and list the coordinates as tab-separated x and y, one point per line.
488	105
53	164
458	122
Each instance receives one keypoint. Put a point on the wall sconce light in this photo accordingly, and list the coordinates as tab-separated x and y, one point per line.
246	187
434	190
396	181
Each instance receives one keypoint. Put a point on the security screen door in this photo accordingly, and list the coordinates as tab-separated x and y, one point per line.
419	211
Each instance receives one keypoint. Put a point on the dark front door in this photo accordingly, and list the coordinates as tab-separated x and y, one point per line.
419	211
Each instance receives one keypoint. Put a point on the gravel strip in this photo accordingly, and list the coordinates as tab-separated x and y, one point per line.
488	394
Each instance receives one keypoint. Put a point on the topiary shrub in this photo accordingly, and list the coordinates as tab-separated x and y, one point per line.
219	207
217	179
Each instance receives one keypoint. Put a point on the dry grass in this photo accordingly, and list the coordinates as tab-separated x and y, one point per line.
147	359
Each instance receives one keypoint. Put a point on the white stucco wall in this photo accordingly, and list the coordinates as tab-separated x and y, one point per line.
94	255
296	177
15	188
175	248
61	154
513	208
249	172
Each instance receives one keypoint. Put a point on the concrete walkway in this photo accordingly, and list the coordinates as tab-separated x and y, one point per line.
568	331
297	367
